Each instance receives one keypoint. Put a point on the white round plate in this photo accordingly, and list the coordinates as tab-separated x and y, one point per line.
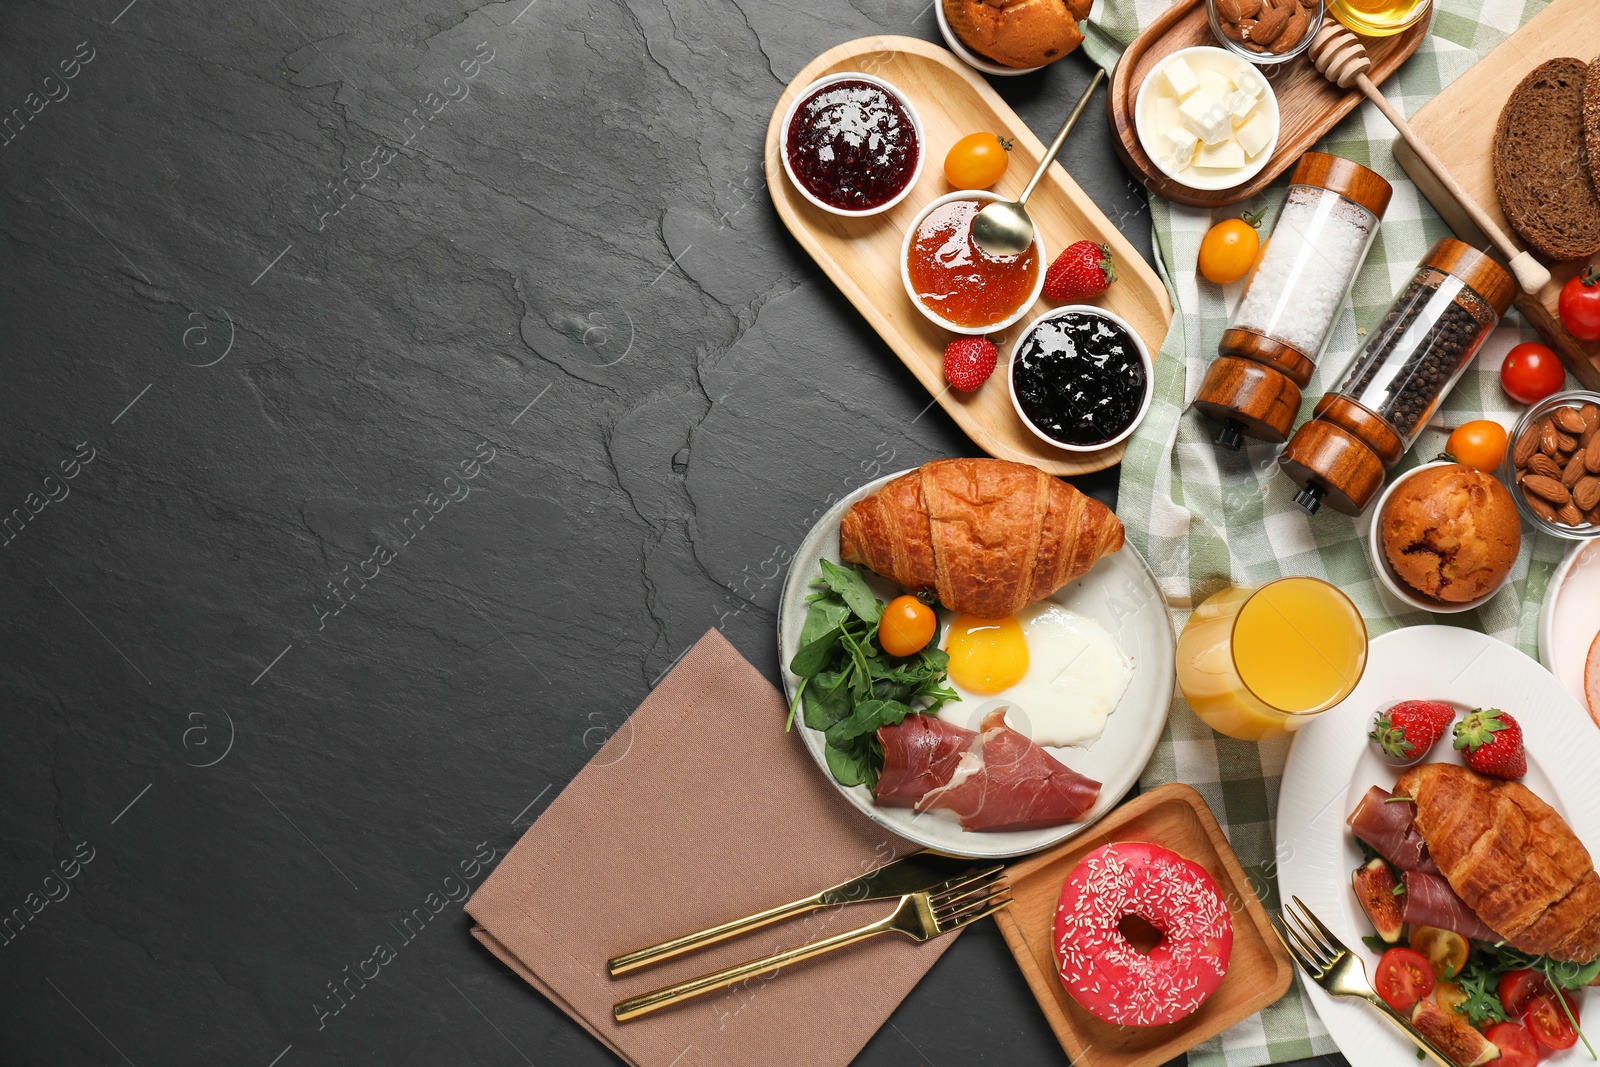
1332	764
1570	618
1119	592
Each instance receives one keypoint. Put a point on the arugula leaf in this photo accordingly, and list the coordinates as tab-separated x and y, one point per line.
827	700
851	766
816	653
867	716
1376	943
853	589
1477	981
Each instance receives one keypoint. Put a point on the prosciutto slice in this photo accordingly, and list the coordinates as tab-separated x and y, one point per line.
1429	901
919	755
1388	829
1006	782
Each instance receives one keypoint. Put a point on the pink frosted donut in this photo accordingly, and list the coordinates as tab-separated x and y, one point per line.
1113	979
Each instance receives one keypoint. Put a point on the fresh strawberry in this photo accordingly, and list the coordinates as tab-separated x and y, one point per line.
1492	741
1082	272
968	362
1406	732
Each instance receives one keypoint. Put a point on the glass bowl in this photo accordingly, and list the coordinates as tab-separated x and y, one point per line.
1508	471
1265	59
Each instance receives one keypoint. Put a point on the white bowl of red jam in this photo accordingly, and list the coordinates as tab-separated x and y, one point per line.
958	285
853	144
1080	378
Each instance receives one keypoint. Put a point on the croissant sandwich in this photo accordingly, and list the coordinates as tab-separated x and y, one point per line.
988	536
1511	858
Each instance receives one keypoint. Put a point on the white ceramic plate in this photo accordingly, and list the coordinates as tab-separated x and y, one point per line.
968	56
1332	764
1119	592
1571	616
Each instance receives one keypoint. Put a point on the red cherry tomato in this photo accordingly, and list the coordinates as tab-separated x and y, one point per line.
1516	988
1531	372
1515	1044
1549	1024
1404	977
1580	306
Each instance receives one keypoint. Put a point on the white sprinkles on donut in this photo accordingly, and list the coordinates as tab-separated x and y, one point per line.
1108	975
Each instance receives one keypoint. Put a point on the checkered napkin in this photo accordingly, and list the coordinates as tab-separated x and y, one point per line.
1203	516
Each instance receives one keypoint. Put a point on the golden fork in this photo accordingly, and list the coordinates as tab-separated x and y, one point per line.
1340	972
920	916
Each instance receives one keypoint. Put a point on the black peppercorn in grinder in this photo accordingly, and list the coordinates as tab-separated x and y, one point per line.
1409	364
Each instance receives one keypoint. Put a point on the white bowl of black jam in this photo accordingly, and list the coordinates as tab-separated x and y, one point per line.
1080	378
853	144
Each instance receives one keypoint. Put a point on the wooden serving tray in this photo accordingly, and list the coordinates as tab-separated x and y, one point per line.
1309	104
1459	124
862	255
1175	817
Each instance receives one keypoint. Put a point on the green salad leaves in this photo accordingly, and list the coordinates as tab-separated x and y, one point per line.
849	686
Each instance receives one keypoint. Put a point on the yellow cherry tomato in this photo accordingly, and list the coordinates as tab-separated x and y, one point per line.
1480	443
907	626
1448	995
1229	248
1446	950
977	161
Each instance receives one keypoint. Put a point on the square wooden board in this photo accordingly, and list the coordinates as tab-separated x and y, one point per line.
1175	817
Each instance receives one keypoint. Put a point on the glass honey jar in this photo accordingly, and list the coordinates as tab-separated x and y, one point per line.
1411	361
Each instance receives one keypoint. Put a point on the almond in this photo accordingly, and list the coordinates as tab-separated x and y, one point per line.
1570	515
1565	442
1539	463
1591	455
1293	30
1593	515
1541	508
1237	10
1590	414
1547	436
1575	469
1237	31
1269	25
1526	448
1586	494
1548	488
1568	420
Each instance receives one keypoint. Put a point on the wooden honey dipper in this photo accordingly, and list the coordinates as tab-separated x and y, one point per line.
1343	60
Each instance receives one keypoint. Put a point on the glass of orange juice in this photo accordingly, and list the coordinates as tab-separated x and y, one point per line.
1260	661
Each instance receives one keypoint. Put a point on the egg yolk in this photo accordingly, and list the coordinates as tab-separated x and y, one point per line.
987	655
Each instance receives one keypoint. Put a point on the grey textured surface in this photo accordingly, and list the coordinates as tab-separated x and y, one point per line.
283	270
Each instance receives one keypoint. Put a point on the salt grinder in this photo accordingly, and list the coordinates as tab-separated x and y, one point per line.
1411	360
1292	299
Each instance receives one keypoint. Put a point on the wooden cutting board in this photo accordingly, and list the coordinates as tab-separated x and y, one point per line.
862	255
1458	125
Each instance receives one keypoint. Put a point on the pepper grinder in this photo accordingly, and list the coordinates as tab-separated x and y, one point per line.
1292	299
1411	361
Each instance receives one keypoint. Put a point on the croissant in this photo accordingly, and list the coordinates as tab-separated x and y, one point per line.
988	536
1511	857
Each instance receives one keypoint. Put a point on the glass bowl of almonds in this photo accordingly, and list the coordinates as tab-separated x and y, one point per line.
1266	31
1553	465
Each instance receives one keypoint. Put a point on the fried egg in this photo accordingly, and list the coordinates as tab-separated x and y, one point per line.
1058	673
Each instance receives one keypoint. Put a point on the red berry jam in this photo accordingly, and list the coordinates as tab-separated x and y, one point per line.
852	145
1079	378
957	280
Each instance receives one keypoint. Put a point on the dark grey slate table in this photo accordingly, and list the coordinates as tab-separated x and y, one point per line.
498	288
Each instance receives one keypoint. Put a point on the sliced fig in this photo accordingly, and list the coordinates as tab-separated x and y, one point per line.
1375	890
1454	1036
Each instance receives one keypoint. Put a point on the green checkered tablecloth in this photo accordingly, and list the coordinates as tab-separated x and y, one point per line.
1204	516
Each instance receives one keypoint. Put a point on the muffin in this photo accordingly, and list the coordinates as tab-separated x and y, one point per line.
1018	33
1451	533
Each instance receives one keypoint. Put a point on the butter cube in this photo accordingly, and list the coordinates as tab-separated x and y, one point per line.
1166	113
1214	84
1175	148
1206	117
1181	77
1247	78
1240	105
1254	135
1226	155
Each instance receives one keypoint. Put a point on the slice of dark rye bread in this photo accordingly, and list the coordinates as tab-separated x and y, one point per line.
1541	166
1591	119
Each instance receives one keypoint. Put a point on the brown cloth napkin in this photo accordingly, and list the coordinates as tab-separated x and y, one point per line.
700	809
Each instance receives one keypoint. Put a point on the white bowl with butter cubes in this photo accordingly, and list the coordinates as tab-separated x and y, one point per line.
1207	118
